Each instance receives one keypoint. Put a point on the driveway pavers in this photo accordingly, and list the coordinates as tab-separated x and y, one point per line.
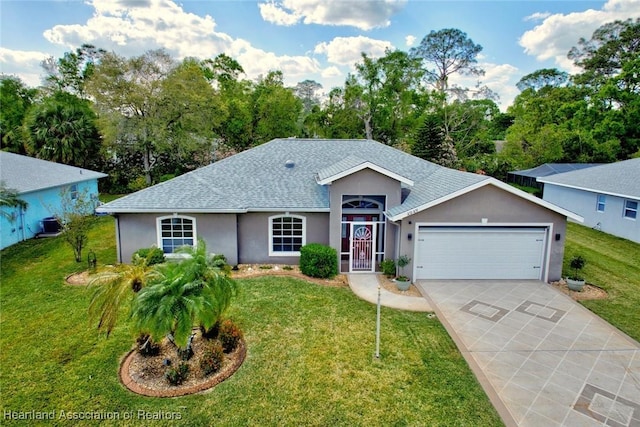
543	359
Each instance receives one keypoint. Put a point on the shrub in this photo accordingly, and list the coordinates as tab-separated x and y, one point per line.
212	358
176	376
318	260
152	255
219	261
229	335
388	267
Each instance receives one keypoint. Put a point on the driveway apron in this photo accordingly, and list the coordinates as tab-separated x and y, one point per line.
543	359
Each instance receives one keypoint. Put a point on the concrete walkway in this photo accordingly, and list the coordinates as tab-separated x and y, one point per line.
543	359
365	286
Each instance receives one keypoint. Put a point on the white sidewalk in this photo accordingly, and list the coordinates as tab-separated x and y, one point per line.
365	286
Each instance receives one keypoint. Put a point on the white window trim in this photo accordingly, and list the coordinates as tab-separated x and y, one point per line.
159	233
625	209
304	234
603	203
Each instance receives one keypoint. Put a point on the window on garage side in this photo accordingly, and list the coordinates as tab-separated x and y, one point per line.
630	209
600	204
287	234
176	231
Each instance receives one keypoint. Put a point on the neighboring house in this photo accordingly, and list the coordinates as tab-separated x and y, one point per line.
607	196
40	184
529	177
365	199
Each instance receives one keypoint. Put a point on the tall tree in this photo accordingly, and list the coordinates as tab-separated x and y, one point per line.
16	99
275	109
307	92
71	72
446	52
543	78
431	143
154	106
63	128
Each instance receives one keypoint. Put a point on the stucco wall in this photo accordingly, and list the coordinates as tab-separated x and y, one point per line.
498	207
25	224
363	183
584	203
135	231
253	236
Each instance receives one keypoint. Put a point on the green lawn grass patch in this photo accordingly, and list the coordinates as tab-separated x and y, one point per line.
613	264
310	357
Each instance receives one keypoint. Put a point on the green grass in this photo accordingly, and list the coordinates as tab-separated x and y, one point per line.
310	355
614	265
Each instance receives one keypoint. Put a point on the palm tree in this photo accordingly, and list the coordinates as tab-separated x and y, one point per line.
10	198
115	285
189	293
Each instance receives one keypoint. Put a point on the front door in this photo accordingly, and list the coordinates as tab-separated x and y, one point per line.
362	253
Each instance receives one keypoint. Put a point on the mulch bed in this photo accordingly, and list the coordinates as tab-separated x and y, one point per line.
588	292
145	375
78	279
257	270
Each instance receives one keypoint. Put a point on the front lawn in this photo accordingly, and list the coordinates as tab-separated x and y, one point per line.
614	265
310	356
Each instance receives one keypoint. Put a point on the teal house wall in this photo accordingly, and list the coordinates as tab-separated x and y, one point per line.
40	184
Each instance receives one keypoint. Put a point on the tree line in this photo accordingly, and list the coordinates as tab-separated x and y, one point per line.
148	118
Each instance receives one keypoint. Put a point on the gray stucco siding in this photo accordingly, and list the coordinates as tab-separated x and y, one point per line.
137	231
584	203
497	207
253	236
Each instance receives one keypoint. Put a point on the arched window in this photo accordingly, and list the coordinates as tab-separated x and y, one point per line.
287	234
175	231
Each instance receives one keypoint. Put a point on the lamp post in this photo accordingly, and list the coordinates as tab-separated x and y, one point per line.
378	326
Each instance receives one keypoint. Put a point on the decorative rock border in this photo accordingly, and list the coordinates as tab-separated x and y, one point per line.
237	357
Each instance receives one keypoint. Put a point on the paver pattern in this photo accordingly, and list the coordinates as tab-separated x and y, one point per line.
543	359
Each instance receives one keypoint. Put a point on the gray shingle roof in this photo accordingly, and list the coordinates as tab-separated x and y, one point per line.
548	169
26	174
620	179
259	179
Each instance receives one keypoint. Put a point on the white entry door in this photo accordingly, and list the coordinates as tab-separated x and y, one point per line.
362	248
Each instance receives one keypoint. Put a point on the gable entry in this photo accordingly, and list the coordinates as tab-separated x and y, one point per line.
363	227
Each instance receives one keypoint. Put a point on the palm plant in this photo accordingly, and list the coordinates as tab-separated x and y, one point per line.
189	293
115	286
10	198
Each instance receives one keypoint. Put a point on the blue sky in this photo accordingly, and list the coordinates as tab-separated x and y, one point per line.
306	39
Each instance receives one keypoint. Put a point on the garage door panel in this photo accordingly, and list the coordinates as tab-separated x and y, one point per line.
488	253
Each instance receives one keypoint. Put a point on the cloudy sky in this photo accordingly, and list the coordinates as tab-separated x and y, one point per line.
306	39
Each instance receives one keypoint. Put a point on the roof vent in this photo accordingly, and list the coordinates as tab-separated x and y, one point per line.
289	164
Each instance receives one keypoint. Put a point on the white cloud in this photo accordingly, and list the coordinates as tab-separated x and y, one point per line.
347	50
331	72
131	28
538	16
364	15
23	64
500	78
558	33
274	13
410	40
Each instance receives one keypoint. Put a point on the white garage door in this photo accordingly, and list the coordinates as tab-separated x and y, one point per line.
480	253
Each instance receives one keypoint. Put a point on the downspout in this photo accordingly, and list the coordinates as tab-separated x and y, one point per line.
118	244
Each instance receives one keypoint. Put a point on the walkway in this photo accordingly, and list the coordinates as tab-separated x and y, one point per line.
543	359
365	286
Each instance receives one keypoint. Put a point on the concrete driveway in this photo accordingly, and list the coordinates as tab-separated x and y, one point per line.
543	359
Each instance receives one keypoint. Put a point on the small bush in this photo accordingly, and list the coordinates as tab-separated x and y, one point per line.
219	261
266	267
229	335
211	333
212	358
177	375
151	255
388	267
319	261
287	268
